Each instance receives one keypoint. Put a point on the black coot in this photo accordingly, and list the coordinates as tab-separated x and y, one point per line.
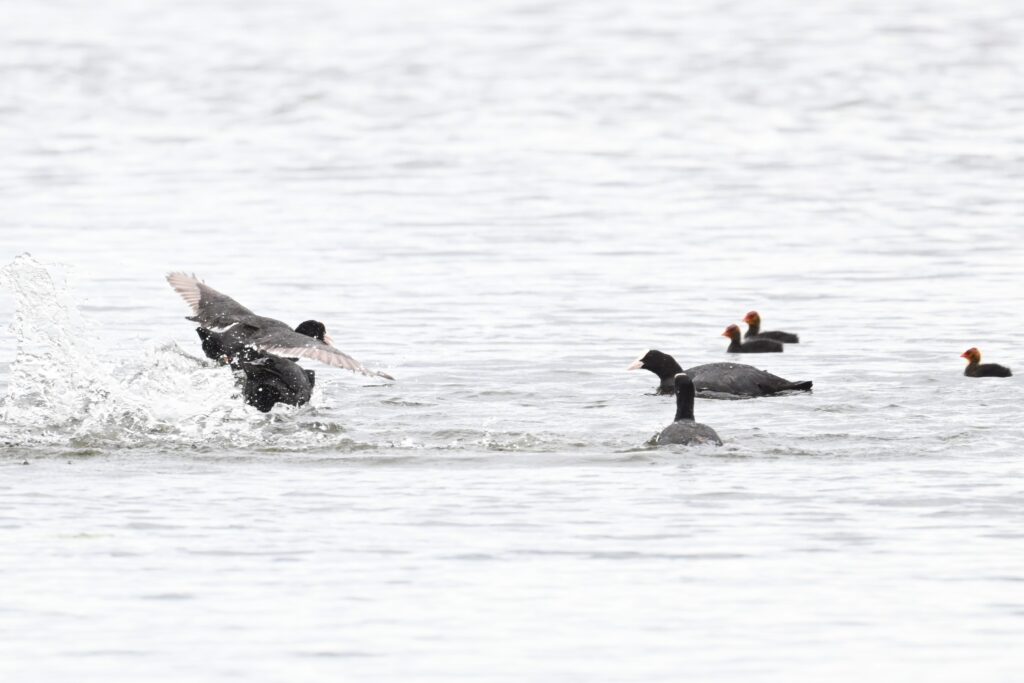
975	368
752	346
685	430
265	379
239	328
753	321
270	380
717	380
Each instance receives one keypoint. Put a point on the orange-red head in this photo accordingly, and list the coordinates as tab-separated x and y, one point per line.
732	332
752	318
972	355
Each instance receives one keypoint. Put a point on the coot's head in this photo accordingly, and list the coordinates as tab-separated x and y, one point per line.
752	318
661	364
732	332
972	355
314	329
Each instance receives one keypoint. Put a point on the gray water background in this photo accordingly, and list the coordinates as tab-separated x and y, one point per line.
503	204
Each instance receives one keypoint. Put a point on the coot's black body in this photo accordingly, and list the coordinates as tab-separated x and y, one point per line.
685	430
717	380
266	380
753	321
232	344
228	345
975	368
753	346
987	370
270	380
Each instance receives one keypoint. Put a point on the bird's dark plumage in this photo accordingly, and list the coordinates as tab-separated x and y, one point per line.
265	379
239	328
684	430
753	346
753	321
224	347
717	380
270	380
229	345
975	368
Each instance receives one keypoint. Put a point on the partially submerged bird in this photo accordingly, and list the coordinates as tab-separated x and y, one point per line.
240	328
752	346
684	430
270	380
265	379
716	380
753	321
975	368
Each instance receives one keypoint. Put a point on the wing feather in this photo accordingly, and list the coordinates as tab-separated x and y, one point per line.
216	311
211	309
289	344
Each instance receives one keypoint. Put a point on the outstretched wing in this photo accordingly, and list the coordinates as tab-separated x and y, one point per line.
289	344
213	310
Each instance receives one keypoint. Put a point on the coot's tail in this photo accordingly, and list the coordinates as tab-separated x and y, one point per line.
800	386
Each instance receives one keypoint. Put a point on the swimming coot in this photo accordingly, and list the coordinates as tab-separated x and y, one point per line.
975	368
717	380
753	321
685	430
753	346
241	328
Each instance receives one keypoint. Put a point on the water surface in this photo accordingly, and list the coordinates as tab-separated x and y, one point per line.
503	205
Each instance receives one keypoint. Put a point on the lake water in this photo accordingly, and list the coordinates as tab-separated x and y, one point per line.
503	204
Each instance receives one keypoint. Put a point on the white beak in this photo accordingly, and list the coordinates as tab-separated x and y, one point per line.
328	340
636	365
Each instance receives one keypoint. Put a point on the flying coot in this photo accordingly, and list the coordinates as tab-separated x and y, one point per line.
241	328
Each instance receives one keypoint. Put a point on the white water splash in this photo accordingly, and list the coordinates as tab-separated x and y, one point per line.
53	377
63	392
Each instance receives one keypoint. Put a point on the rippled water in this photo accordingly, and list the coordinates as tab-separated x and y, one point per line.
502	204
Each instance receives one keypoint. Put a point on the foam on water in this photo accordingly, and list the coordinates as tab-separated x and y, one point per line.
64	391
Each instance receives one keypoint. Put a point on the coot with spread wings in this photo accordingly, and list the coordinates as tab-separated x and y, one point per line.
237	327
